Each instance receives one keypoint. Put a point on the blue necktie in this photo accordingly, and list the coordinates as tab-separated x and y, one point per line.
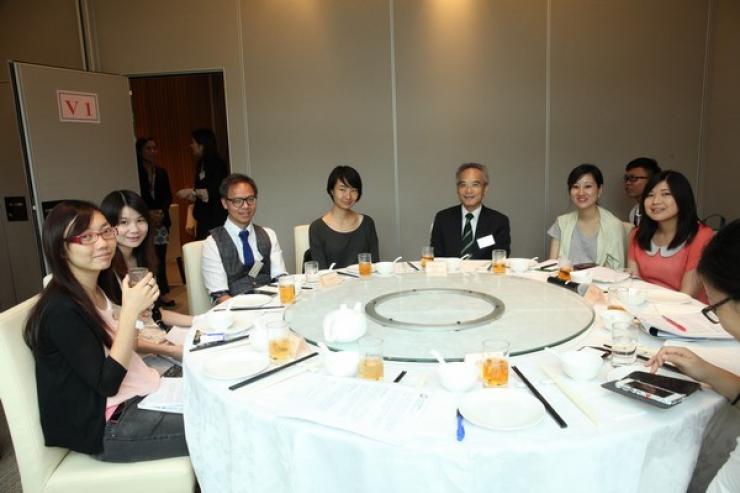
248	255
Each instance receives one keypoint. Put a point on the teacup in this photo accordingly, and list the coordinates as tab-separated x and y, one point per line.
610	317
581	276
384	268
519	265
581	365
458	376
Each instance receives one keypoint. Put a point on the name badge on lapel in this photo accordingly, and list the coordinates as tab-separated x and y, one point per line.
256	268
485	241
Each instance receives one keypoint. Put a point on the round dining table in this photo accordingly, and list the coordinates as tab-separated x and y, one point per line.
272	436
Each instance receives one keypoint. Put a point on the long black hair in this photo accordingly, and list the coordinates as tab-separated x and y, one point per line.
206	138
140	143
688	221
68	218
720	262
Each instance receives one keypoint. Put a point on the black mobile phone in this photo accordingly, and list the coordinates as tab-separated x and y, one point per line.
657	390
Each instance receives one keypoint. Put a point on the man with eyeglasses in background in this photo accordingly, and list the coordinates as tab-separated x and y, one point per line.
470	228
240	255
636	175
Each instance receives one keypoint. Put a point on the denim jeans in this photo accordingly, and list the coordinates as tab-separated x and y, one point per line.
139	435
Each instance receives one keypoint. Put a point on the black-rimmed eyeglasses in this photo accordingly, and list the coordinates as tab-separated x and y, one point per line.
711	311
633	179
238	202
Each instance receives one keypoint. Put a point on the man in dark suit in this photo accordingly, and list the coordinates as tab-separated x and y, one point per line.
470	228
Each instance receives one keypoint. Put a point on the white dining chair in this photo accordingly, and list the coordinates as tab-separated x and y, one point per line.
58	470
301	244
199	301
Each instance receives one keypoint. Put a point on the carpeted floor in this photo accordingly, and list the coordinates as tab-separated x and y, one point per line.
10	480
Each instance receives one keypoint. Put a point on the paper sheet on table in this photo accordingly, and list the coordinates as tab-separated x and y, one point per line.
724	357
606	275
382	411
168	398
682	325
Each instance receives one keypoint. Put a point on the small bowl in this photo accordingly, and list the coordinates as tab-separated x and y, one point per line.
610	317
453	265
581	276
581	365
341	363
219	321
384	268
458	376
520	265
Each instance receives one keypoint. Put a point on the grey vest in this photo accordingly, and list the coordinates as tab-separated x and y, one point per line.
236	273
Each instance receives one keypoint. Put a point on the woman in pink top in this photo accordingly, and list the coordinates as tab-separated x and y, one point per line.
665	249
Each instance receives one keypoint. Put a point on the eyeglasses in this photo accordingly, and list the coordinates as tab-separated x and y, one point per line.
90	237
240	201
711	311
632	178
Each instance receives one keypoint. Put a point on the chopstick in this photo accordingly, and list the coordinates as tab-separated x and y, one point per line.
574	398
545	267
211	344
245	308
348	274
270	372
544	402
410	264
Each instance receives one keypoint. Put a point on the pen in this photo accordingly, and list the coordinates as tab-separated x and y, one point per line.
400	377
460	427
675	324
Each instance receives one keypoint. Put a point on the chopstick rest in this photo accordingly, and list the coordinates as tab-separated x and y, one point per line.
271	372
544	402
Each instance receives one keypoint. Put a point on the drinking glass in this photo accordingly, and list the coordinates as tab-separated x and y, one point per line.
365	264
565	267
286	287
498	261
371	358
495	368
427	255
616	297
134	276
311	269
624	343
279	346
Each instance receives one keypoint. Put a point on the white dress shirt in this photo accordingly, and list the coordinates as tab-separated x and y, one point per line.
473	222
214	275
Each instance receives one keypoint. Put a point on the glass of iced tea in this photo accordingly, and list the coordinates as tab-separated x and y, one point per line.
495	366
498	262
427	255
565	267
280	347
365	264
286	287
371	358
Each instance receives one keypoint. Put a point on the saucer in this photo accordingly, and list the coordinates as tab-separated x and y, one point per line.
236	365
502	409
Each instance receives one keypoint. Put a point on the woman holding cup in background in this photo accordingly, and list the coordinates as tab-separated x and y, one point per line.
341	234
719	271
590	234
666	247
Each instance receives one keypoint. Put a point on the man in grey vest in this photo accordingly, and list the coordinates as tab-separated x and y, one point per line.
240	255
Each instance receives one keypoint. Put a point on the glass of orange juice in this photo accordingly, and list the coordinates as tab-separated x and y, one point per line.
286	287
365	264
565	267
495	367
498	261
280	347
427	255
371	358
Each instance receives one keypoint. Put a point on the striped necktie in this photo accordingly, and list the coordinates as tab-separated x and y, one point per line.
246	249
467	237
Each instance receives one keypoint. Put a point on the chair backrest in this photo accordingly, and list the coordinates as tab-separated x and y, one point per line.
199	301
300	242
174	248
36	462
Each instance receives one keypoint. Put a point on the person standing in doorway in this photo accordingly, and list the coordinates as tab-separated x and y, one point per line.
154	185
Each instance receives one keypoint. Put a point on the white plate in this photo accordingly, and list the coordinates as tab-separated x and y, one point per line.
230	366
254	300
666	297
502	409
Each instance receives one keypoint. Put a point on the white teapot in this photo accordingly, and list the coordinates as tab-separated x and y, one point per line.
345	324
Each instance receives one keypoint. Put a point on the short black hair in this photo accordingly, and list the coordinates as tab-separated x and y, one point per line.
585	169
687	223
347	175
235	179
647	163
720	262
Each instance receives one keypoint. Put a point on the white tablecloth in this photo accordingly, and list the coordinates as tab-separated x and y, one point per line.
238	444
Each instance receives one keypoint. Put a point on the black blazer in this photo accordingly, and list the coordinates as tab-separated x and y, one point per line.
447	232
162	198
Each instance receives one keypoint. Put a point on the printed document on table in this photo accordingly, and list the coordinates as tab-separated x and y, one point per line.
692	325
167	399
382	411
